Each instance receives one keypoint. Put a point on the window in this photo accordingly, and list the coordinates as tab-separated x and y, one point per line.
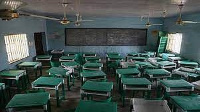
16	47
174	42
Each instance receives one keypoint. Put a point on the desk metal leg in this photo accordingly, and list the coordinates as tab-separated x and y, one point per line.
18	86
57	98
27	76
40	70
73	79
68	81
123	97
63	90
49	106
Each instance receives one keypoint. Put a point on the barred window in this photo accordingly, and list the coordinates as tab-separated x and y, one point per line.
174	42
16	47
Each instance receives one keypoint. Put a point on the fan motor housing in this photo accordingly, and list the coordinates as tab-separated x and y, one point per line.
7	14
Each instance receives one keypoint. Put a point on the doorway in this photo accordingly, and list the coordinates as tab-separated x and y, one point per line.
40	43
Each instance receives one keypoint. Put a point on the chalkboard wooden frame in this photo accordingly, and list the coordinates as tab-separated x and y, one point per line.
79	44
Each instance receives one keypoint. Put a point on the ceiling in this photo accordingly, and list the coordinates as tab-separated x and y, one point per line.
111	8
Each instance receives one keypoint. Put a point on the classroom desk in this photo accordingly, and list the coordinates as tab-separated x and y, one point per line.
34	65
92	106
63	73
134	84
132	72
72	53
15	75
190	75
92	59
96	88
72	64
197	70
43	58
92	66
147	54
186	103
137	58
29	101
166	64
154	60
165	56
67	58
188	64
174	59
145	65
57	52
127	64
92	75
176	86
157	74
142	105
114	57
127	72
196	84
89	55
50	83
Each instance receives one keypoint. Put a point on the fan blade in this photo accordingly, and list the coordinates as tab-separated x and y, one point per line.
12	4
157	24
45	17
191	22
39	16
178	1
86	20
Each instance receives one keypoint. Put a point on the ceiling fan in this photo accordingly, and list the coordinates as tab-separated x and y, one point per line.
79	18
148	23
65	20
10	10
180	21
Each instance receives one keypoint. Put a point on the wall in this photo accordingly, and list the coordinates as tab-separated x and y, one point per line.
56	35
25	25
191	37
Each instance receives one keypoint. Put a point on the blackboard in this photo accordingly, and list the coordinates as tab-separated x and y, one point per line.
105	37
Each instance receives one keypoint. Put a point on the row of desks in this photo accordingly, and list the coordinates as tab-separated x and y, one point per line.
137	104
126	81
42	100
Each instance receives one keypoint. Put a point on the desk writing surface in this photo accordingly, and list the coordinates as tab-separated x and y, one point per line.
28	64
176	83
187	103
11	73
93	73
28	100
97	86
127	71
51	81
